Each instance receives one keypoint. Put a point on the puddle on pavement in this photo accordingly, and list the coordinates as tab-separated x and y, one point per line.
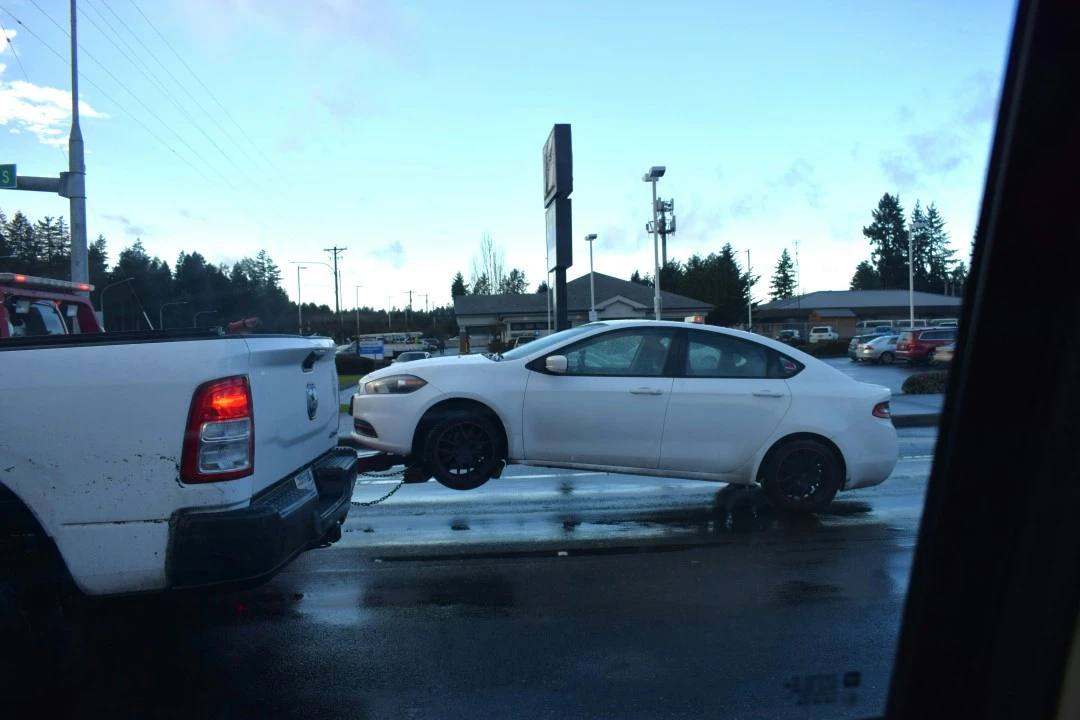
798	592
477	595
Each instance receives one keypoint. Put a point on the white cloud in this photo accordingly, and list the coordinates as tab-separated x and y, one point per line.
43	111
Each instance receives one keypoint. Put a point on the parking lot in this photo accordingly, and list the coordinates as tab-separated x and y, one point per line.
891	376
545	593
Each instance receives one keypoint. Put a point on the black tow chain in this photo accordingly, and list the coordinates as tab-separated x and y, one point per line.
387	495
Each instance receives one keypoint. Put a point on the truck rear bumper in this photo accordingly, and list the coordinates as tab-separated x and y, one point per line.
250	545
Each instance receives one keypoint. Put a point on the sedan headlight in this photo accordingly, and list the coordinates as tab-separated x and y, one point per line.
394	385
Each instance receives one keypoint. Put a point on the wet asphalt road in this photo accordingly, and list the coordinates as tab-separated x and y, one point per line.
543	594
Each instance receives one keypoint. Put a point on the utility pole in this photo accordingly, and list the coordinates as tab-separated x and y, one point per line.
425	302
389	324
358	318
407	309
337	293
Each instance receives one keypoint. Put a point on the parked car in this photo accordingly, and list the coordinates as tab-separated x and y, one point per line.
920	346
881	349
852	348
411	356
823	332
944	354
789	337
647	398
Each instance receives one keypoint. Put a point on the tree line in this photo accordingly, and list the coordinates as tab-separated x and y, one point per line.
140	291
489	275
717	278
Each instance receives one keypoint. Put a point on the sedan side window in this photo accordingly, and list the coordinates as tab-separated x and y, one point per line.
637	353
716	355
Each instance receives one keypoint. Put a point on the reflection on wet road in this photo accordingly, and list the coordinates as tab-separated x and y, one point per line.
546	593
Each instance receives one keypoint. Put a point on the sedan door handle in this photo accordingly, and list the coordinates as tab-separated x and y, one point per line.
768	393
646	391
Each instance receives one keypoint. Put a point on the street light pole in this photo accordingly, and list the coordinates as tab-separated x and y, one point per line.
592	288
358	312
101	297
299	304
749	300
911	272
161	312
76	177
655	173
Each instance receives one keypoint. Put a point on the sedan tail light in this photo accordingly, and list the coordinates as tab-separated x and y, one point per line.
881	410
219	443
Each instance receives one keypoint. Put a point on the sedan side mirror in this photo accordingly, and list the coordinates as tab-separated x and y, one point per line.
556	364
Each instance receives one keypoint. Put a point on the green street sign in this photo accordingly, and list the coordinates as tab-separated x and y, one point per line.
8	178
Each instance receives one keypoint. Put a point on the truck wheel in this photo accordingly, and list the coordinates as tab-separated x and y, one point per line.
801	476
463	451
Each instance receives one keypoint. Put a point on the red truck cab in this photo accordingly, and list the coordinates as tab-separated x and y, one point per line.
43	306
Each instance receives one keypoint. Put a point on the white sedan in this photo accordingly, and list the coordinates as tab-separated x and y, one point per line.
637	397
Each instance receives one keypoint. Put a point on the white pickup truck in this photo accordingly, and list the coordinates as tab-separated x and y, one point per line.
153	461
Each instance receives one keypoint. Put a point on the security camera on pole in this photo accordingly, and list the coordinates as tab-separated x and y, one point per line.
655	173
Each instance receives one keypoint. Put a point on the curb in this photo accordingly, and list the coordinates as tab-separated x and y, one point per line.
916	420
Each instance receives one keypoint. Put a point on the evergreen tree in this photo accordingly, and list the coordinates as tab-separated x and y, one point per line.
481	285
888	238
782	285
865	278
940	257
458	286
514	283
20	234
542	287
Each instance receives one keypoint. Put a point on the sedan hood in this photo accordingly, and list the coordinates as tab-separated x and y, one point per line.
417	367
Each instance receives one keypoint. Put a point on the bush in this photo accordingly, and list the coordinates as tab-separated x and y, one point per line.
354	365
496	346
826	348
926	383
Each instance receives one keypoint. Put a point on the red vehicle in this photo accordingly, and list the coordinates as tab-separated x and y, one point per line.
42	306
918	346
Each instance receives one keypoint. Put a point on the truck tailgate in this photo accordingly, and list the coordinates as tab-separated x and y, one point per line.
295	398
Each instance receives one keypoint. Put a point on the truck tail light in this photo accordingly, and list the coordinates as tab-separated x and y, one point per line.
219	443
881	410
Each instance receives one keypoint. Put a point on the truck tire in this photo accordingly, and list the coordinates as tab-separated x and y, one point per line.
463	450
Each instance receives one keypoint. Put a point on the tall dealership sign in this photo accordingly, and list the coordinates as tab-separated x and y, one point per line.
558	184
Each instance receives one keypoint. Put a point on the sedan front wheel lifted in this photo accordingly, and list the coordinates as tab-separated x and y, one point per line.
463	450
802	476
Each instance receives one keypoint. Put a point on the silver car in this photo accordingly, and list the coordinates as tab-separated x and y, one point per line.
881	349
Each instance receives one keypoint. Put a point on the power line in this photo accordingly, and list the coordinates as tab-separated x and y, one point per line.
160	87
146	107
175	79
203	85
108	97
12	46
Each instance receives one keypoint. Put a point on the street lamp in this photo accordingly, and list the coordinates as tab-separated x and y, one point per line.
921	225
299	305
195	317
358	315
101	297
592	288
161	312
655	173
337	299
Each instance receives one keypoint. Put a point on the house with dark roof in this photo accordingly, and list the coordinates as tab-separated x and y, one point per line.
508	316
844	309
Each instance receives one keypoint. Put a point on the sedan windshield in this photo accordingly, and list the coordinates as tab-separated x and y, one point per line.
541	344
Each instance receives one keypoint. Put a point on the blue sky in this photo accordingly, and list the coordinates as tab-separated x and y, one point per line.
406	130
